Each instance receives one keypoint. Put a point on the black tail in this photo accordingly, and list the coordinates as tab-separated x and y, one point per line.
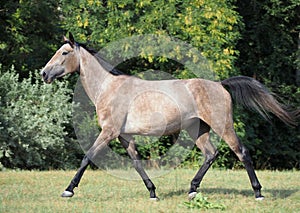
253	95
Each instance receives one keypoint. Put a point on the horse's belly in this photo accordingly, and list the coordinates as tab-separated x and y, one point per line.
157	114
153	130
154	123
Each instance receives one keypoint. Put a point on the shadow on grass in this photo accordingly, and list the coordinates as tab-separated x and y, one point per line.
178	192
276	193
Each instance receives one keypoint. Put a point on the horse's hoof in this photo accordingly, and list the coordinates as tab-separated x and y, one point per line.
260	198
67	194
154	198
192	195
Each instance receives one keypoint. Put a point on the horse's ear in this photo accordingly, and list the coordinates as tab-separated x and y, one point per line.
65	39
71	38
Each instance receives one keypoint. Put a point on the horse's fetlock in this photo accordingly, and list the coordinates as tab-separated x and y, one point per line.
257	187
193	188
152	193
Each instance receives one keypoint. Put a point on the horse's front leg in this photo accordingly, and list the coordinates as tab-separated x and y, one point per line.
102	141
75	181
129	145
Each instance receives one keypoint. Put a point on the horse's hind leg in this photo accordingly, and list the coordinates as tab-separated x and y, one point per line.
241	151
201	137
128	143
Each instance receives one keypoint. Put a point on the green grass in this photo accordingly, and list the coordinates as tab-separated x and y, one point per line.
25	191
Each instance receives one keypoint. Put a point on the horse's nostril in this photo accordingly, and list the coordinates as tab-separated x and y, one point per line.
44	74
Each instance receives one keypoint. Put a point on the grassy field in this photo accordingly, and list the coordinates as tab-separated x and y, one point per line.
25	191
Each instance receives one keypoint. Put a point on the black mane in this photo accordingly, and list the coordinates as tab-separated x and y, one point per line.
106	65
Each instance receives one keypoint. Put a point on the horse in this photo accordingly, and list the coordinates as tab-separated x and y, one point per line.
128	106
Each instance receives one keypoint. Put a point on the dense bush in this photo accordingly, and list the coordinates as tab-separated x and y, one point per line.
33	121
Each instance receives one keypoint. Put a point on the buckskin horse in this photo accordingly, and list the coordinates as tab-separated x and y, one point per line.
125	106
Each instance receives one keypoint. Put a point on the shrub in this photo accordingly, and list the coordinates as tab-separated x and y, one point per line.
33	120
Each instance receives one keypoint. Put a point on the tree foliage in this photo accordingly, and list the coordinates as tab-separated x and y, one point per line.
253	38
268	52
269	46
29	33
211	26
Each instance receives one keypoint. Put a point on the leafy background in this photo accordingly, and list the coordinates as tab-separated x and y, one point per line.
253	38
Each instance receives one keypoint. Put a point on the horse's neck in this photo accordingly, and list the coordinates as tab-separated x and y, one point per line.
92	75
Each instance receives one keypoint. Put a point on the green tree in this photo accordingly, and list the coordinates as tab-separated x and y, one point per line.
211	26
268	52
269	43
253	38
29	33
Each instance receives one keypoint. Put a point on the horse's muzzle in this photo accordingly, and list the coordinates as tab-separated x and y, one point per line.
49	75
46	77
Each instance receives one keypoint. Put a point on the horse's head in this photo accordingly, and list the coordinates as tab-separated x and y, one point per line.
65	60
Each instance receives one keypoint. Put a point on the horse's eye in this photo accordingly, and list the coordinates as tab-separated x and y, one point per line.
65	53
